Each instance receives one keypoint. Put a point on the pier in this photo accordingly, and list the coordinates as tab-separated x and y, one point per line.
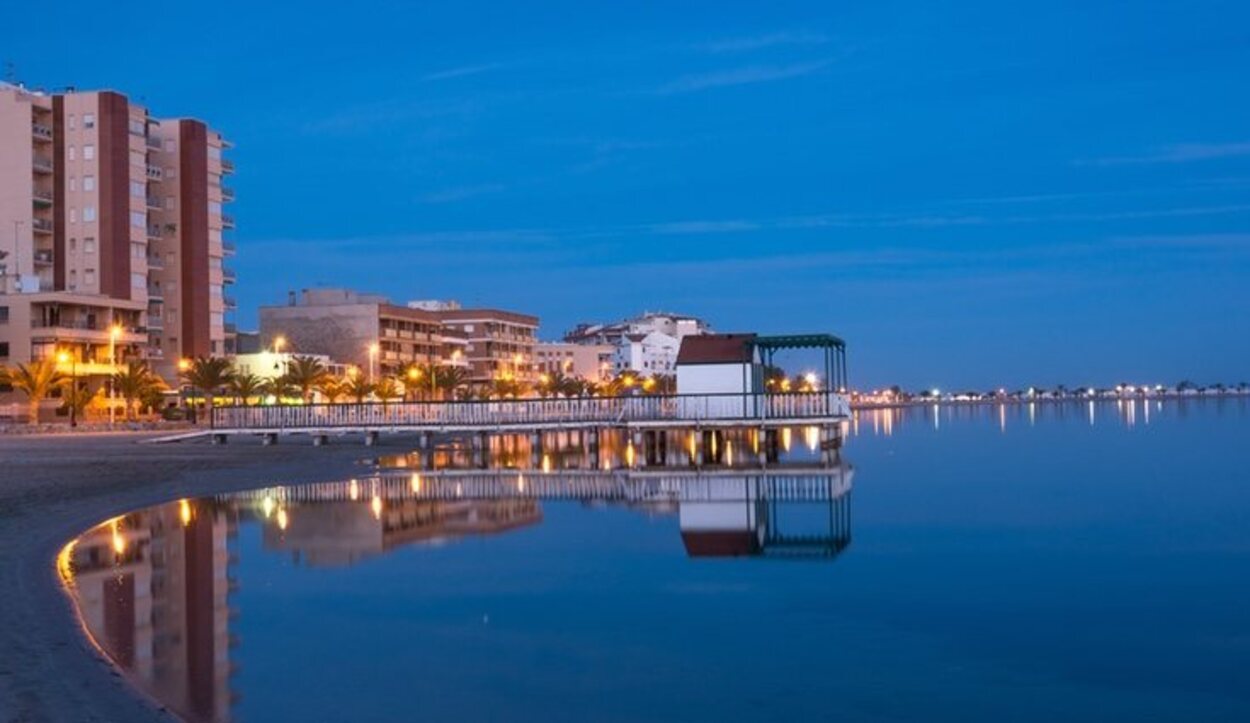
636	413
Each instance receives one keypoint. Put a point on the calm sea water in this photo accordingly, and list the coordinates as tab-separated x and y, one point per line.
983	563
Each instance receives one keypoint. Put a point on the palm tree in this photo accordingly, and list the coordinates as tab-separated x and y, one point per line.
133	382
387	389
452	379
36	380
306	373
358	387
280	388
76	397
208	374
662	384
332	388
245	386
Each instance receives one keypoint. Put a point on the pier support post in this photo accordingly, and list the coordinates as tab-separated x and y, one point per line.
761	448
639	443
423	440
371	438
320	440
219	439
269	439
536	449
592	447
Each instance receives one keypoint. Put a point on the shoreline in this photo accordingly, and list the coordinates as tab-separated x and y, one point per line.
1013	401
53	488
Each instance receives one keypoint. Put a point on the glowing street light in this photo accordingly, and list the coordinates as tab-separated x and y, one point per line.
115	331
373	359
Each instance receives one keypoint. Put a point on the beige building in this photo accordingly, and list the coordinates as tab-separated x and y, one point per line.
500	344
363	330
111	233
592	362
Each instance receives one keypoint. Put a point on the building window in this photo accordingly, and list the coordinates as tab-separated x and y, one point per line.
138	190
169	145
88	120
138	281
138	219
73	215
73	121
88	183
70	153
73	183
88	152
88	214
88	277
4	314
88	245
169	203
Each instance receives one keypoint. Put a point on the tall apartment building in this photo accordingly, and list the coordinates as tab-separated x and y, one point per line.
111	232
364	330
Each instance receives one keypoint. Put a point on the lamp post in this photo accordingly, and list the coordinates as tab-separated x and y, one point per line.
373	359
64	357
114	332
184	365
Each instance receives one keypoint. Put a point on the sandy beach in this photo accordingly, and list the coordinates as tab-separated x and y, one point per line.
53	487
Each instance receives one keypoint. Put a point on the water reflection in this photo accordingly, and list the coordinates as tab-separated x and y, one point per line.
156	589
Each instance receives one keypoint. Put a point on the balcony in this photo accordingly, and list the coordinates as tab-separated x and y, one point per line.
227	193
155	204
155	172
154	232
155	322
41	132
229	303
43	257
227	166
228	248
229	277
154	292
41	225
41	164
155	262
227	221
41	197
154	143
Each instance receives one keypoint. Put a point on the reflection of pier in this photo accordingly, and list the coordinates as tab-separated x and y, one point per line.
797	510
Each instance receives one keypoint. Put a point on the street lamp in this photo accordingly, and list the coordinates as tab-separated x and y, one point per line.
373	358
114	332
64	357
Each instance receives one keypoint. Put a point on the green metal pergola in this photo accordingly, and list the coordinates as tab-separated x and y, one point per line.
764	347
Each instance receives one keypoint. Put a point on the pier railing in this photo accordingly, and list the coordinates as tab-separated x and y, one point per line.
487	414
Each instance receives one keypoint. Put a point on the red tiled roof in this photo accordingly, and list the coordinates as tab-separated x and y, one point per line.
720	543
715	349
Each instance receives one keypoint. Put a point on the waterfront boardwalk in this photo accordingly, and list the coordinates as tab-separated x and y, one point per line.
678	411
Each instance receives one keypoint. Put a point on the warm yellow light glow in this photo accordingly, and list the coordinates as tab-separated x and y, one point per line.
811	436
546	463
62	357
184	512
628	381
785	385
517	358
266	506
374	348
414	373
456	354
416	483
810	379
649	384
629	455
691	443
119	542
283	520
729	453
278	343
115	331
184	364
352	371
544	378
785	438
353	490
520	483
376	505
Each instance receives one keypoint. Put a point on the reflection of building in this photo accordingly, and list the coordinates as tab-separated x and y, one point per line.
152	589
344	532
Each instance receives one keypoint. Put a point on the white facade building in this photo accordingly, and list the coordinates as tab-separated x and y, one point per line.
647	354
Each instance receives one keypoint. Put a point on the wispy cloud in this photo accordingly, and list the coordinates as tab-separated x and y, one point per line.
460	72
740	76
766	40
461	193
1177	153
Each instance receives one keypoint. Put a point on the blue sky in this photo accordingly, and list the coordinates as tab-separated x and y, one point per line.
995	193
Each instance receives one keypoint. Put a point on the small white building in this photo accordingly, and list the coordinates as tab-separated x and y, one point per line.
717	364
647	354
